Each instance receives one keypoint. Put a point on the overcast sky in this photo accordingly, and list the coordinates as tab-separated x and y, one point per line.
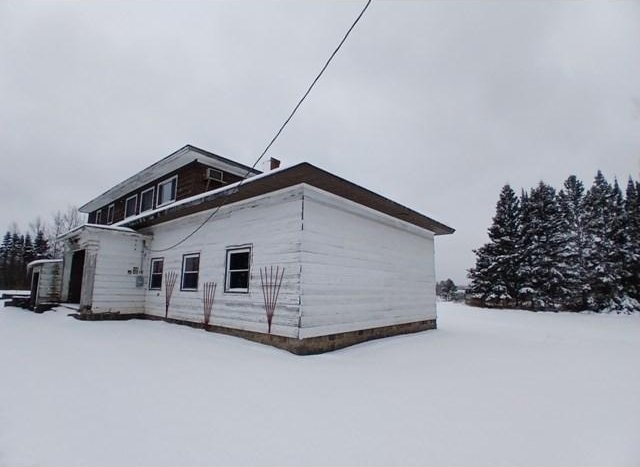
433	104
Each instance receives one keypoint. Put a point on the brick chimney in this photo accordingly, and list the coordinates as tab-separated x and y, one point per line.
274	163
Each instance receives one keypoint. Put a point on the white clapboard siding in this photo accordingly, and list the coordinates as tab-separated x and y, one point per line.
114	287
271	224
49	282
361	269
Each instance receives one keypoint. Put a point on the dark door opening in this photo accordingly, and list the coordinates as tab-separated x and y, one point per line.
35	279
75	279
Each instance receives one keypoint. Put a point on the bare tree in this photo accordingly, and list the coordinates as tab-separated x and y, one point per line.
62	222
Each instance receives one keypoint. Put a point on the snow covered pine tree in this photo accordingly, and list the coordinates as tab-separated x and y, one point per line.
494	279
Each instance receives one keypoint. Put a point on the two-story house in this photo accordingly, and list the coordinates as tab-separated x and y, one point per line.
295	257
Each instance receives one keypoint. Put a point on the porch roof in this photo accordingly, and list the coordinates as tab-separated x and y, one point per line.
84	227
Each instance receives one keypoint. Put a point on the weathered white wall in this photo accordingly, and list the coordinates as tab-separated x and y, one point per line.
114	283
271	224
49	283
361	269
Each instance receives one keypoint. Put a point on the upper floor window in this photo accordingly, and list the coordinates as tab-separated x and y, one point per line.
110	214
155	275
237	273
190	271
130	206
167	191
146	199
99	216
214	174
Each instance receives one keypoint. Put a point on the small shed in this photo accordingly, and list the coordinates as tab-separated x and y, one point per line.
46	283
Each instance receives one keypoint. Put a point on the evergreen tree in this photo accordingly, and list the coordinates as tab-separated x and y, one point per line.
5	251
632	208
41	246
495	277
446	289
571	205
28	255
14	260
542	243
603	222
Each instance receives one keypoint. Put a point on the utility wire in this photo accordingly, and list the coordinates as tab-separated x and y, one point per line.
275	137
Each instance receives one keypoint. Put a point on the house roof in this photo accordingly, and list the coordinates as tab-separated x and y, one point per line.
84	227
283	178
172	162
42	261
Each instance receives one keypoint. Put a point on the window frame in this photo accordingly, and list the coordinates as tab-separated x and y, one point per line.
182	272
164	182
135	206
153	198
98	219
228	271
151	273
213	169
110	213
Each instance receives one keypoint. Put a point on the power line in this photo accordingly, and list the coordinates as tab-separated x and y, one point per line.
275	137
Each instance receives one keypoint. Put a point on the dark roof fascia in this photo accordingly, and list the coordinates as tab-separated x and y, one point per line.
300	173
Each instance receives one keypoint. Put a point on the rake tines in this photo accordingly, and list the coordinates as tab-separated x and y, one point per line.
271	289
170	278
208	294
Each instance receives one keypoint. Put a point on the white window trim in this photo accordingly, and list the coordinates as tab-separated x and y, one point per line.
227	271
212	169
154	260
126	201
98	219
111	208
153	198
164	182
184	260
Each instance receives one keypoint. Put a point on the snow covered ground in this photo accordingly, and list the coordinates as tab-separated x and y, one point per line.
487	388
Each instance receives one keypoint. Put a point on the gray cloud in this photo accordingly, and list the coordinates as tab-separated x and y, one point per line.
434	104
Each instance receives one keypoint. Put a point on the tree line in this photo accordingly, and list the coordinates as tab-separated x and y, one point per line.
40	241
573	249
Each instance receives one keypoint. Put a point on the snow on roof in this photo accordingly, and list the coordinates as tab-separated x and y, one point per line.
190	199
284	177
113	227
42	261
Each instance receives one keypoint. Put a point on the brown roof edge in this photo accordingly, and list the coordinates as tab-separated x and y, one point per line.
294	175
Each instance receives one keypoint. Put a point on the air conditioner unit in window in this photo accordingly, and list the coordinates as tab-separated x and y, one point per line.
214	174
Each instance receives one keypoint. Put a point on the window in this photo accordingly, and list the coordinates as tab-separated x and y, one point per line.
237	274
155	276
99	216
190	271
130	206
214	174
167	191
146	199
110	214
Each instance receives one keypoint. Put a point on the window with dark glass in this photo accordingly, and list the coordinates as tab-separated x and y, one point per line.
146	200
190	271
155	276
130	206
238	270
99	216
167	191
110	214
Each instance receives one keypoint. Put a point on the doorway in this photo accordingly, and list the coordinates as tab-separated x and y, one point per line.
75	279
35	280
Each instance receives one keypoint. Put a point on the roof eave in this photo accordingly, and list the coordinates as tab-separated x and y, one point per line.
284	178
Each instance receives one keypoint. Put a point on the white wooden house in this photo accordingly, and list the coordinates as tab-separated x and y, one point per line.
295	257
